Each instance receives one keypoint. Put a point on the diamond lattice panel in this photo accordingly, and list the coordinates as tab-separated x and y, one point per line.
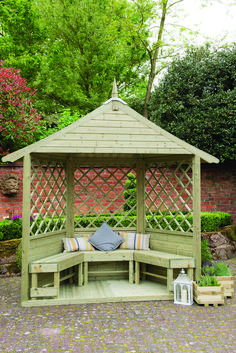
169	197
48	187
104	193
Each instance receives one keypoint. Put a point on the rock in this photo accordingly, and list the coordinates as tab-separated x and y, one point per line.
221	243
223	252
3	270
8	265
217	239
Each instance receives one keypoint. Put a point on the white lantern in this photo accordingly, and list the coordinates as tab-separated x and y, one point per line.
183	289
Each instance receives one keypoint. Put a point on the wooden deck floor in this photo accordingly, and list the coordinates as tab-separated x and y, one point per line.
106	291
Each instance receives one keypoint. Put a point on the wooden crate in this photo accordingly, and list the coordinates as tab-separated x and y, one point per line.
228	283
208	295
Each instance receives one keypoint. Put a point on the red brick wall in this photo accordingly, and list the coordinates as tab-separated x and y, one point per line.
11	205
218	190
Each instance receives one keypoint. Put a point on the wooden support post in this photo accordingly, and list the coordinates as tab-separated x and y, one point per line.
80	275
34	281
70	198
137	272
131	271
190	273
143	270
57	283
140	184
85	273
170	279
197	214
25	286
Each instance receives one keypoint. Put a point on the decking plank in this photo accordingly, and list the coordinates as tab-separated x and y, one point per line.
104	292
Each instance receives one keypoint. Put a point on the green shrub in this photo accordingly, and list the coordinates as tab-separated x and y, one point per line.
212	221
205	252
10	229
221	269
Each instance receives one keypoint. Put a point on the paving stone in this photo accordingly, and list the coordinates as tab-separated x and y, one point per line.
134	327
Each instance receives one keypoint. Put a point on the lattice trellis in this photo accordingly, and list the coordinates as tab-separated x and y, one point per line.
169	198
48	197
99	194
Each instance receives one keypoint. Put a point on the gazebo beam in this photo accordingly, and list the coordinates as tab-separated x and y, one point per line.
25	227
197	213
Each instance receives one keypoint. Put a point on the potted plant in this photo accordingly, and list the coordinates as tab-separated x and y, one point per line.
207	290
225	277
218	269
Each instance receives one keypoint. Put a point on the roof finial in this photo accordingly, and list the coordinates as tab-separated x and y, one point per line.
114	90
115	105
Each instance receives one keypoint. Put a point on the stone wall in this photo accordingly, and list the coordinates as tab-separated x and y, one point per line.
218	190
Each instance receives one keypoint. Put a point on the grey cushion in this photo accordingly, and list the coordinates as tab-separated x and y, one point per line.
105	239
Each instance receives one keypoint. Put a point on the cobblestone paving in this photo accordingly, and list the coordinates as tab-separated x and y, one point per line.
148	327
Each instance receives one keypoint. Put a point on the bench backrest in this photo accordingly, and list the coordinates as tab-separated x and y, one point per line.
51	243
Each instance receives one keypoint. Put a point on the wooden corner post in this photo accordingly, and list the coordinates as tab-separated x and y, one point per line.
70	198
197	213
26	228
140	176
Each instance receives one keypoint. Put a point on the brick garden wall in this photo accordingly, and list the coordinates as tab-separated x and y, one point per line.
218	190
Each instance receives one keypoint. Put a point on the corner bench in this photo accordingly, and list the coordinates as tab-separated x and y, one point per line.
161	259
68	261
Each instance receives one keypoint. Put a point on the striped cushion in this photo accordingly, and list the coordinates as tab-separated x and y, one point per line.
135	241
74	244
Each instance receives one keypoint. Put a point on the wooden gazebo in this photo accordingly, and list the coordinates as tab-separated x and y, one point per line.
77	176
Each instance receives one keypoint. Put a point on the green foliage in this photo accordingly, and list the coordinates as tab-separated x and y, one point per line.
22	37
10	229
19	256
221	269
207	281
87	46
130	193
196	100
205	252
212	221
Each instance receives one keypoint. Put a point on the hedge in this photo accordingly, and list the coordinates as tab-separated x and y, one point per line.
12	229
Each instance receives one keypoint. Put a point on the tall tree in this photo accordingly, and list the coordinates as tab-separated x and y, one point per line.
21	37
147	33
196	100
87	48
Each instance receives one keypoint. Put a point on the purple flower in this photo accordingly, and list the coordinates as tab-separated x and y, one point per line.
15	217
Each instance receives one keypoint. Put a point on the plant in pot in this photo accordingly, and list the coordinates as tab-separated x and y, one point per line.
207	290
213	286
225	277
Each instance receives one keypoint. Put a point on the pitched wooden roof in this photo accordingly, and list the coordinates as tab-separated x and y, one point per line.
112	129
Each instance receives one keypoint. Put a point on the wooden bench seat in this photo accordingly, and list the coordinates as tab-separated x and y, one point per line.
162	259
54	264
68	261
116	255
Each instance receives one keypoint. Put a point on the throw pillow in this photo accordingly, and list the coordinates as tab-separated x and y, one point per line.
74	244
105	239
135	241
